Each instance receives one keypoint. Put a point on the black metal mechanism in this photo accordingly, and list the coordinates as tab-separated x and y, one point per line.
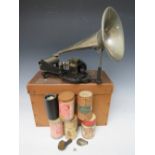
74	70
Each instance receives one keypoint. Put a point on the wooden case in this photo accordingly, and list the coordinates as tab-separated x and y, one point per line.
38	87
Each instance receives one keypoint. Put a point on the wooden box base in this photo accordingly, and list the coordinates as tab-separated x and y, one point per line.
38	87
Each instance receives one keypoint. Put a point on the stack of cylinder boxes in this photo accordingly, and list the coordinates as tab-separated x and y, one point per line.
64	115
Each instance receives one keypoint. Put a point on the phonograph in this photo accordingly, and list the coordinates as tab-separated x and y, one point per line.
109	37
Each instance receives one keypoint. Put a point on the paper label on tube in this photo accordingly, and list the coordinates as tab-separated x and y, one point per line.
85	109
66	110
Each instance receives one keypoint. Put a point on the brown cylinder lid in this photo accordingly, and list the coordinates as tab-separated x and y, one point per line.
85	93
66	96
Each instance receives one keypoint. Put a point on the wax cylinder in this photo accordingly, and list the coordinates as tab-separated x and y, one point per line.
70	128
66	105
88	127
56	128
85	99
55	124
52	106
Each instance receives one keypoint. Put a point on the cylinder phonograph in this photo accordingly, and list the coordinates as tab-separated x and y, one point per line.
109	37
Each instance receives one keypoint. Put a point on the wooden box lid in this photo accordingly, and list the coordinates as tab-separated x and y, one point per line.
53	84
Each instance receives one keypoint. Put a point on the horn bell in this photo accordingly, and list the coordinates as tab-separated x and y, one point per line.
112	33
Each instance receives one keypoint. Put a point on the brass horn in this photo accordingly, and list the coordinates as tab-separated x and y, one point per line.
109	37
